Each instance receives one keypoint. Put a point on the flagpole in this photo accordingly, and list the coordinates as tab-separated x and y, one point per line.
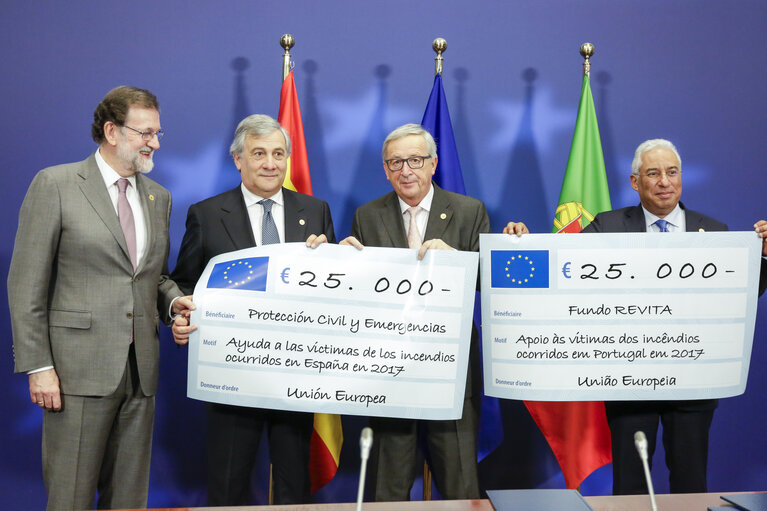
587	50
287	42
439	45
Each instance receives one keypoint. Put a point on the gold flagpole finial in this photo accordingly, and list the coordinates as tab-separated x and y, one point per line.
439	45
287	42
587	50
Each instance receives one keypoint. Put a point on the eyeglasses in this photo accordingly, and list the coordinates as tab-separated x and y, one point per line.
414	162
656	175
147	135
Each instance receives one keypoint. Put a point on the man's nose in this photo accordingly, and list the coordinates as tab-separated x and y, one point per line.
154	142
270	162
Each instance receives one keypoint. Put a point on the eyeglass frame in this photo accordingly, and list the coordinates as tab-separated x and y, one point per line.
670	174
406	160
146	136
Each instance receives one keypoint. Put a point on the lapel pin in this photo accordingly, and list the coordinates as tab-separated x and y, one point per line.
301	222
151	197
443	216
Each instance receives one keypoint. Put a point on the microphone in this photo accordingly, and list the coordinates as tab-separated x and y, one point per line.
366	442
640	441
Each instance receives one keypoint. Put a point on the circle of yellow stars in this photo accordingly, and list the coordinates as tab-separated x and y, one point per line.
519	282
235	283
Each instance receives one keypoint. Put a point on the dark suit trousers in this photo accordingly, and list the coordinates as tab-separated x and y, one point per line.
100	443
685	440
452	448
234	433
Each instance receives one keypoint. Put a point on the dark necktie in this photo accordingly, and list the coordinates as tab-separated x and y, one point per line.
125	215
269	234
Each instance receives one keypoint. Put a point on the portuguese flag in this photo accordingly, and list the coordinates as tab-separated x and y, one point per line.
584	189
577	432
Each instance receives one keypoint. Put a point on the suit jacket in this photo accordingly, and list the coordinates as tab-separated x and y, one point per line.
221	224
456	219
72	290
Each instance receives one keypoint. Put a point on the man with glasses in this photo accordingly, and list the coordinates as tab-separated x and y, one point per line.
88	273
257	212
420	215
656	175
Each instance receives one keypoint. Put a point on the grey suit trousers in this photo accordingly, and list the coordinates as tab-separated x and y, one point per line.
119	432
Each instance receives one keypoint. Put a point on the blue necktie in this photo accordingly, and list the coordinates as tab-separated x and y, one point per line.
269	234
662	225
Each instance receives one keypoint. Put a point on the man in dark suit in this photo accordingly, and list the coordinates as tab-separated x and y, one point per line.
259	211
89	270
448	221
656	174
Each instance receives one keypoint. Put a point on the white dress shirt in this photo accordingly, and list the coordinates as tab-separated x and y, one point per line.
422	218
110	178
676	220
256	213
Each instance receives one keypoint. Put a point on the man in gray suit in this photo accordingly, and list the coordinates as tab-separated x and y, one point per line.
448	221
89	270
257	212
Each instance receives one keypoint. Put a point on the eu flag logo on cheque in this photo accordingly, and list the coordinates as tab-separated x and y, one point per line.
519	268
248	273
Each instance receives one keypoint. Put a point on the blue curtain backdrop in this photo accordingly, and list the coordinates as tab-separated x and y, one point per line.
690	71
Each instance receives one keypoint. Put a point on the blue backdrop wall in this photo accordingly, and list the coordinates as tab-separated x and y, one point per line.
690	71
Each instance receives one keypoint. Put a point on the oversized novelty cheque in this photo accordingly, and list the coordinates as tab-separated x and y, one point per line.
619	316
334	330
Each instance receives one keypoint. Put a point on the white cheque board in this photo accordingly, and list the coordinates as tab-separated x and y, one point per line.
618	316
334	330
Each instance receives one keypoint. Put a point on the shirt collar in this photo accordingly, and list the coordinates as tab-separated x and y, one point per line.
675	218
109	174
425	202
251	198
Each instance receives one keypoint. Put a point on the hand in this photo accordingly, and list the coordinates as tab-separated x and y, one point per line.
181	330
315	241
434	244
352	241
761	230
183	305
517	228
44	389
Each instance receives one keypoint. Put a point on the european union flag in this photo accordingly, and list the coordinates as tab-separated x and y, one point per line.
248	273
436	120
519	268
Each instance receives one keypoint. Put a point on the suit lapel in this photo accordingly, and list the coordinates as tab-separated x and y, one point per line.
295	223
149	209
439	217
634	220
693	222
236	221
95	192
391	219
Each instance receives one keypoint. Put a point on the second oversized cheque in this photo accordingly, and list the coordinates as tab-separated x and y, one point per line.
334	330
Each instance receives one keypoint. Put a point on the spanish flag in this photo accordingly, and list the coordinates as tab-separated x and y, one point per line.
327	436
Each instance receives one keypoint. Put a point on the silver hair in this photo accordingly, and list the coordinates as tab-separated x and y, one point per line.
411	129
649	145
256	125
